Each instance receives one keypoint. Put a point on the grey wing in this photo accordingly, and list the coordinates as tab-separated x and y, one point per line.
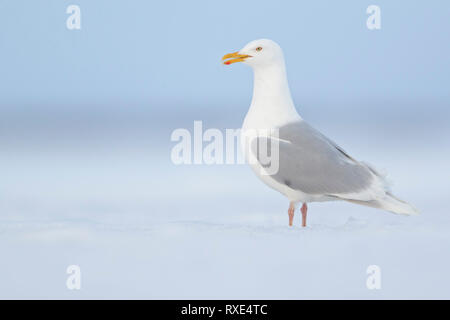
311	163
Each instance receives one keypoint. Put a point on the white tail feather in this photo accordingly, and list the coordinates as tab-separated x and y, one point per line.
389	203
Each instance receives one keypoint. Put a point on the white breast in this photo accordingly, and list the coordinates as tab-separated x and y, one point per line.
256	125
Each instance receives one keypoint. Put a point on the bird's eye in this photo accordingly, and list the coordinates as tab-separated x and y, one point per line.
259	49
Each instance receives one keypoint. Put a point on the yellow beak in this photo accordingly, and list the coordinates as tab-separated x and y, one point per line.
237	57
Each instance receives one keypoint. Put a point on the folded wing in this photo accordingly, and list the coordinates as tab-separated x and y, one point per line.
311	163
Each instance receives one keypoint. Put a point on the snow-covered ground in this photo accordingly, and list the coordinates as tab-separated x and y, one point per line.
140	227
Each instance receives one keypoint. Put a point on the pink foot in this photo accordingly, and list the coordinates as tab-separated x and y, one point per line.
291	213
304	210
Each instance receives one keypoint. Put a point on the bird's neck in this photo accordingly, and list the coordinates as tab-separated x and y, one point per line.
272	103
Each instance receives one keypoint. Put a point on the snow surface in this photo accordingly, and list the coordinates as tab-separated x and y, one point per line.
141	227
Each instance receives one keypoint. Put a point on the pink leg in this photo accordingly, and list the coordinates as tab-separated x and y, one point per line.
291	213
304	210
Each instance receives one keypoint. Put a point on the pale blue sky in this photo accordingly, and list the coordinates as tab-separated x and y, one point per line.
169	51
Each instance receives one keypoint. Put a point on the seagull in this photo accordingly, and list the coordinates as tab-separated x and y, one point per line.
304	165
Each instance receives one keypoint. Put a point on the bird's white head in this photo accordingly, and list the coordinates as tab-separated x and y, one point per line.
263	52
